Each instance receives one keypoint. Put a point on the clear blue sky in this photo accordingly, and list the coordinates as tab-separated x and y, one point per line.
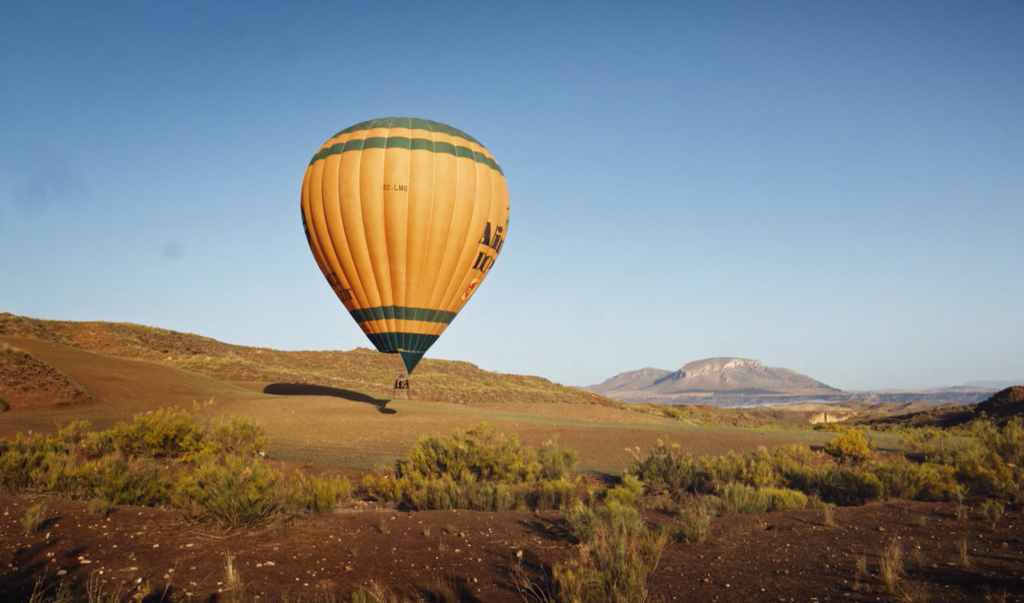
834	187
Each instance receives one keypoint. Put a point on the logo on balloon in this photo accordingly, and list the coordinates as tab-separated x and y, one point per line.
470	289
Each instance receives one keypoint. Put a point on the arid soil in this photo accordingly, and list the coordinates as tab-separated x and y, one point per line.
26	382
465	556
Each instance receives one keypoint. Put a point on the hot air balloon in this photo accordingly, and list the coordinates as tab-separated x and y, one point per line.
405	218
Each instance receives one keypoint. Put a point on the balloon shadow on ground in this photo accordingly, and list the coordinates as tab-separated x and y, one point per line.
306	389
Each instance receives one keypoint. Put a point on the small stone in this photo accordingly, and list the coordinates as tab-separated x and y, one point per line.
62	572
156	546
348	568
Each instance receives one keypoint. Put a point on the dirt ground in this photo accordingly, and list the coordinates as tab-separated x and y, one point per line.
465	555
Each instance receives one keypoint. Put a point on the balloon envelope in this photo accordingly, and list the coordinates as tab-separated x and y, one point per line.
405	218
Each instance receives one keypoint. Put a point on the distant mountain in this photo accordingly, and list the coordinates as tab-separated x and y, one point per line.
732	382
737	376
994	384
630	381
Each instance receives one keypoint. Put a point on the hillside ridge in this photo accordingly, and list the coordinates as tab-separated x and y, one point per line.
359	369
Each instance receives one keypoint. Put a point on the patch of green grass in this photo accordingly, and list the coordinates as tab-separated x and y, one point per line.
33	518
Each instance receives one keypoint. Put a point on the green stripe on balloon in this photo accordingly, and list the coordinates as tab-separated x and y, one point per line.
402	142
402	313
410	123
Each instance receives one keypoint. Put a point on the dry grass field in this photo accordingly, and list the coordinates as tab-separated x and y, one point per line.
343	427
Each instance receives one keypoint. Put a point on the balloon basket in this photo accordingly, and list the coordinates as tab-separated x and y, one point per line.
401	391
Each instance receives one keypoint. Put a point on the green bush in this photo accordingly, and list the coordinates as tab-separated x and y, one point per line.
627	492
557	462
845	485
1007	442
991	510
904	480
743	499
851	447
221	480
125	481
233	491
162	433
694	524
667	467
478	453
24	457
57	473
239	435
74	433
318	495
986	462
617	561
475	470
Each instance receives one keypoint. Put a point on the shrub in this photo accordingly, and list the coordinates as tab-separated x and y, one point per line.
890	565
74	433
475	470
126	481
991	510
232	491
852	447
903	480
57	473
694	524
100	506
162	433
740	498
1007	442
239	435
96	444
474	452
627	492
581	522
34	518
986	463
667	467
844	485
318	495
556	461
20	458
616	563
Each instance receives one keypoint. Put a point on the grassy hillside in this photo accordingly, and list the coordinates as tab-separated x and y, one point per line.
360	369
342	416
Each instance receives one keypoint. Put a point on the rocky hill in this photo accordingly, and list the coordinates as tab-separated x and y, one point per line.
732	382
711	377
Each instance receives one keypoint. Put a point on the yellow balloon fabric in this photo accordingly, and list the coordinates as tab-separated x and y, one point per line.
405	218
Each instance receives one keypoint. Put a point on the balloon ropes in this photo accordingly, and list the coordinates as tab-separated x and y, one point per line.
405	218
